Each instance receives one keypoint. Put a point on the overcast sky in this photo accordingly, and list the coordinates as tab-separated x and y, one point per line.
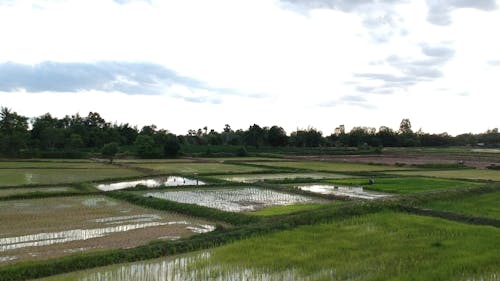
188	64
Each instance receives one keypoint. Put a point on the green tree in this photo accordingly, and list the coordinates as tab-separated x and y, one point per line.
144	146
14	133
109	151
171	146
276	136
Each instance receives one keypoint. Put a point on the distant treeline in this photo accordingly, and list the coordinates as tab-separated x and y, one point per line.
76	136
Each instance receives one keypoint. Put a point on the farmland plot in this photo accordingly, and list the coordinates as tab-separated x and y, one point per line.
18	191
332	166
16	177
233	200
192	168
473	174
45	228
150	183
381	246
405	185
251	178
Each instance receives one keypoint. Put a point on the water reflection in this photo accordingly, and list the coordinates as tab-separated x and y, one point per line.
150	183
233	200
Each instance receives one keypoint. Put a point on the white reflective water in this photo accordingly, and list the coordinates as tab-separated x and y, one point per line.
50	238
150	183
349	191
233	200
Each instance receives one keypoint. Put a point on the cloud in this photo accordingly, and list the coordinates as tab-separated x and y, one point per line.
494	62
351	100
439	11
133	78
129	78
379	18
411	71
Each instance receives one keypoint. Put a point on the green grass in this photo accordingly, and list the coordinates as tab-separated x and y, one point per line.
405	185
483	205
17	177
191	168
53	165
472	174
333	167
383	246
282	210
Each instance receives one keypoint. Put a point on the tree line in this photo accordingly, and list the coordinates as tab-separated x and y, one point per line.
75	136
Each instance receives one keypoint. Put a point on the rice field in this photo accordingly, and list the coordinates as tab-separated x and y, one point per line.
43	228
472	174
54	165
405	185
196	168
483	205
150	183
233	199
331	166
383	246
253	178
17	177
25	190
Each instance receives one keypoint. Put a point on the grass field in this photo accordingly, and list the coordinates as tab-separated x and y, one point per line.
199	168
455	174
16	177
18	191
383	246
43	228
405	184
333	166
484	205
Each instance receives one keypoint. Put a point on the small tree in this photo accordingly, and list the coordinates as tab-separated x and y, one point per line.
109	150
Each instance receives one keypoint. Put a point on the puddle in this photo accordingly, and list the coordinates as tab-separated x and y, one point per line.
97	202
150	183
129	219
8	258
202	228
233	200
350	191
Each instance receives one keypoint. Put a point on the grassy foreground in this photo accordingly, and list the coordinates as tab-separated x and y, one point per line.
472	174
382	246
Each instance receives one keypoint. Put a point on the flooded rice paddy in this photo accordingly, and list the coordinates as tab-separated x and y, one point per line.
348	191
253	178
234	199
43	228
150	183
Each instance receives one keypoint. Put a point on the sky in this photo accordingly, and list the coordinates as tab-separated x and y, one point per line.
189	64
